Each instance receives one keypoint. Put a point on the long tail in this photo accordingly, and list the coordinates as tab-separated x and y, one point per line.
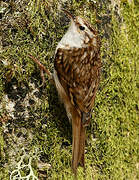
78	143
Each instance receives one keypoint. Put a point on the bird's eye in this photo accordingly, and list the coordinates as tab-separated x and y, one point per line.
82	28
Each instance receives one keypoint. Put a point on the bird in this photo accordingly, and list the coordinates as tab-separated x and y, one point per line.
76	75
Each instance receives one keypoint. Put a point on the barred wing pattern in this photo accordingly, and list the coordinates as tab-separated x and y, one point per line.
78	70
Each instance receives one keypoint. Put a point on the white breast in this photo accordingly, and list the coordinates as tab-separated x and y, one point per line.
72	38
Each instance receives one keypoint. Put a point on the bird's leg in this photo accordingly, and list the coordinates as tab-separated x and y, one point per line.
42	69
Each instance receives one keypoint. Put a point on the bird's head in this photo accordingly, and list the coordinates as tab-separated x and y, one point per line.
79	34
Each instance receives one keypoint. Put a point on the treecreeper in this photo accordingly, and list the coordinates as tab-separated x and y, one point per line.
76	75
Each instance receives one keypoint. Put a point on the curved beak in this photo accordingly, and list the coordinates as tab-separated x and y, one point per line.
68	13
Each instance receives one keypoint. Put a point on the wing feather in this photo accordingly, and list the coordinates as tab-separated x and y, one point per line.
78	70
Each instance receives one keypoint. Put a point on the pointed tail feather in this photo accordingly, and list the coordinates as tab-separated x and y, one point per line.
78	144
82	146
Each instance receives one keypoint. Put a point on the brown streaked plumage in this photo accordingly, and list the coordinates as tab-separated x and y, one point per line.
76	76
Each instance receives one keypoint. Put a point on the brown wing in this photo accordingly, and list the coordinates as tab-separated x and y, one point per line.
78	70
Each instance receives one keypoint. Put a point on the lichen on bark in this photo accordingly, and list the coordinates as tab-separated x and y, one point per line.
32	117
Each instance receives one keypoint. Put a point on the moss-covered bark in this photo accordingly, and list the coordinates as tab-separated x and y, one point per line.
33	122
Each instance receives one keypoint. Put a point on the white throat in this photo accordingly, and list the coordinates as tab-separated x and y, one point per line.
72	38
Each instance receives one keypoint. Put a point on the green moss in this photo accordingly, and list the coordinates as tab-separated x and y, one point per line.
116	113
112	137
